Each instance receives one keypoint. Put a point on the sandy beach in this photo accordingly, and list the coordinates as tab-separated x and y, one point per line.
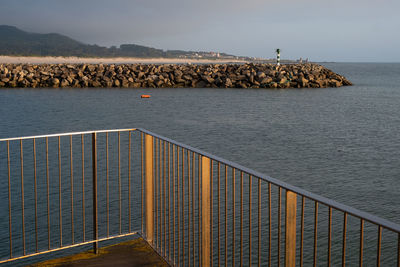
118	60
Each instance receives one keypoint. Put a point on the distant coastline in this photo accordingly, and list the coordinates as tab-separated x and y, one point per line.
116	60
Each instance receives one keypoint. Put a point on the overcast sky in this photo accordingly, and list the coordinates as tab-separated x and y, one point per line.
321	30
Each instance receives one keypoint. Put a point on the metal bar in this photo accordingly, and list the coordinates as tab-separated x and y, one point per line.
119	183
199	169
48	192
83	186
206	215
241	219
211	211
315	233
169	201
183	207
290	232
9	198
219	213
329	236
233	217
193	225
159	197
189	206
65	134
164	201
72	189
378	252
361	243
149	188
250	178
269	225
173	198
156	193
94	174
179	211
259	223
226	216
398	250
107	189
35	189
142	184
279	225
59	190
322	200
68	247
303	203
344	240
129	182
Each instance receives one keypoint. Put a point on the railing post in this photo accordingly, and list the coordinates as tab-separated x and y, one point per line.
94	165
205	212
290	246
149	188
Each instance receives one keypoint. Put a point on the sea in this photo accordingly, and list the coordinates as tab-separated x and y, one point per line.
340	143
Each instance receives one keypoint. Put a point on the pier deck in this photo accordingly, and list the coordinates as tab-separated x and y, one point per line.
131	253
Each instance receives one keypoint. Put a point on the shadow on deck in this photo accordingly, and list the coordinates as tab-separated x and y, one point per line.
131	253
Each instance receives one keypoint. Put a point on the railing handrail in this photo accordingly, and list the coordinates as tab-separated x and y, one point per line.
323	200
65	134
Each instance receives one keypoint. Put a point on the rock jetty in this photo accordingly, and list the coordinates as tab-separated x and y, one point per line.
169	75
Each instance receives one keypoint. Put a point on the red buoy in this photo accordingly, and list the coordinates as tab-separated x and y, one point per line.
145	96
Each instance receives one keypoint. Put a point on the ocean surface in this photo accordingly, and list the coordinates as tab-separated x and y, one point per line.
341	143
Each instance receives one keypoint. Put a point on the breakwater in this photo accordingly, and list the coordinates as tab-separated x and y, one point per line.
169	75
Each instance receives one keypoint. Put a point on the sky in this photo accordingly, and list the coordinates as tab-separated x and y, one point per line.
321	30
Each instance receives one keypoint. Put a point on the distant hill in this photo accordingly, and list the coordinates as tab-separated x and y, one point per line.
15	42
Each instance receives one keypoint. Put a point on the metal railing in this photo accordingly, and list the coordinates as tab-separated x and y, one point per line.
193	208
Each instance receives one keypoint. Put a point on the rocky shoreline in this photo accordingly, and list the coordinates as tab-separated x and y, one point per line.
169	75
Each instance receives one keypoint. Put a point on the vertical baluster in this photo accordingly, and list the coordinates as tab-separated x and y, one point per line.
164	194
71	171
119	183
94	185
241	219
193	211
83	186
35	190
378	252
107	189
315	233
199	208
250	178
269	225
344	240
219	213
189	206
179	211
129	181
48	192
169	202
9	199
226	216
160	234
155	191
329	236
259	222
22	197
233	217
141	172
183	208
361	242
173	197
59	190
303	204
279	225
211	212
